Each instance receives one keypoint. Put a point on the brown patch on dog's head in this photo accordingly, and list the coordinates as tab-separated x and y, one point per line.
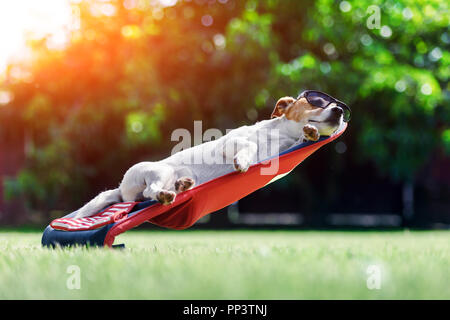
281	106
293	109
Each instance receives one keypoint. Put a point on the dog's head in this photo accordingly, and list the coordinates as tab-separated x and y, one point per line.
326	120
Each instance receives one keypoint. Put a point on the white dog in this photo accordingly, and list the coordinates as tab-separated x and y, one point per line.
293	121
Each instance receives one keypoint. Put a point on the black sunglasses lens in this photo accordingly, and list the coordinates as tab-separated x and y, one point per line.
317	99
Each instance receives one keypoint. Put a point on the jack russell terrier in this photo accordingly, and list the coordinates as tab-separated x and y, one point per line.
293	121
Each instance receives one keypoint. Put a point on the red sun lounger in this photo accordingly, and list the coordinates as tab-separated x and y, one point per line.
189	206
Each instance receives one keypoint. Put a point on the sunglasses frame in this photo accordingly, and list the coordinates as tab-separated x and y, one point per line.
330	100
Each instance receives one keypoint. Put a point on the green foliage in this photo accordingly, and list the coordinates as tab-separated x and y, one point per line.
446	140
143	127
126	81
49	177
393	77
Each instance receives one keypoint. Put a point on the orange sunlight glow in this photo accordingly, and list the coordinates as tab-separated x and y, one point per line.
24	19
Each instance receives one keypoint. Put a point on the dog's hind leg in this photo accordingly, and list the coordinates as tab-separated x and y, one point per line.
158	183
150	180
155	191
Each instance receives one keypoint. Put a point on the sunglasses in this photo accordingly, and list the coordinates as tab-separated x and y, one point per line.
322	100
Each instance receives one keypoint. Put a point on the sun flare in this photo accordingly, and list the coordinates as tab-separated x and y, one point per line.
22	19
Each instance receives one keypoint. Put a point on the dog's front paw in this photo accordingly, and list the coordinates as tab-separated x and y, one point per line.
241	163
184	184
166	197
311	133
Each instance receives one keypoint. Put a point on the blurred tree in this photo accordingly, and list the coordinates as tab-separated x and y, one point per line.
392	75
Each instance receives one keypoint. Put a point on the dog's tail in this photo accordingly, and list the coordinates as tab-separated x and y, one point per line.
103	200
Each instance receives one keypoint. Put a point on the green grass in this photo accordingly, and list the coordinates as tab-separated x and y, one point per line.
232	265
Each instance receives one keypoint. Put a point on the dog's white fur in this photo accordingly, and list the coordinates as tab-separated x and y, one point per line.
293	122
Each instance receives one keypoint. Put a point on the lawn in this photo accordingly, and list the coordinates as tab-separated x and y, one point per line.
231	265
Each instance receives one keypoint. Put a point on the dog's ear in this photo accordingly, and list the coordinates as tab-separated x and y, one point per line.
281	106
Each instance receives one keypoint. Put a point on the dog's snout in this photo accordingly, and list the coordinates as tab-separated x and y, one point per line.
337	111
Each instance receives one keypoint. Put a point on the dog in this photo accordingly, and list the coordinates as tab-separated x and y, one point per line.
292	122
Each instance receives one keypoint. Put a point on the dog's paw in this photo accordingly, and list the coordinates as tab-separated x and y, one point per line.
184	184
166	197
311	133
241	163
